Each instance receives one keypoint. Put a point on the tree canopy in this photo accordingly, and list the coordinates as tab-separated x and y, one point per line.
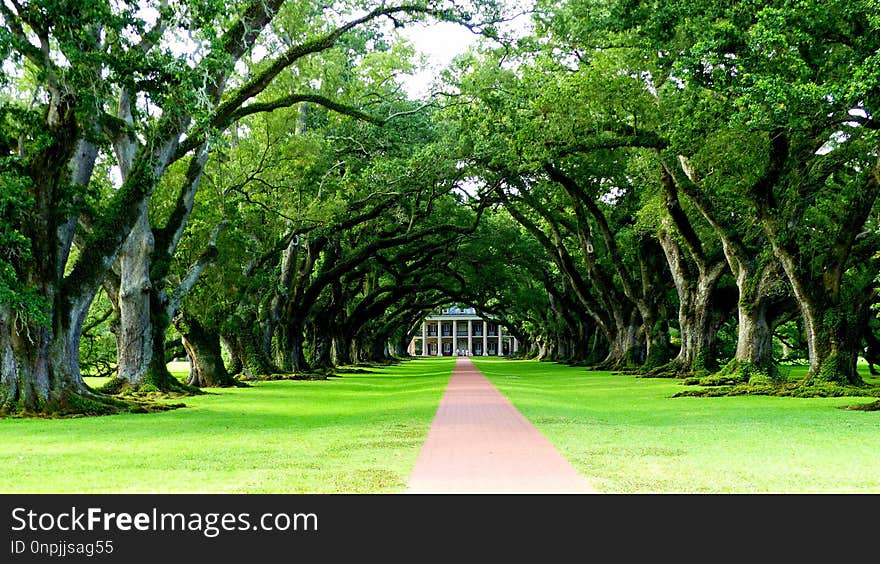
685	190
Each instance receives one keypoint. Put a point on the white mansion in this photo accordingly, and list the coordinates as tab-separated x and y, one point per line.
461	332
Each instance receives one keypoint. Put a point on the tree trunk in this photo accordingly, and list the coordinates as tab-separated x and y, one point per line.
247	347
833	341
833	325
696	320
134	336
143	319
341	348
235	363
203	348
374	349
698	339
557	351
40	368
321	349
39	358
295	352
355	350
699	332
658	349
598	347
753	361
652	304
786	350
754	343
268	333
624	346
40	361
830	302
757	278
401	344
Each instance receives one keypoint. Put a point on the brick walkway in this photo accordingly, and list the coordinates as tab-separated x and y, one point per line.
480	443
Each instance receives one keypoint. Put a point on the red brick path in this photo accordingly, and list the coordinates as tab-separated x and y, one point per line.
480	443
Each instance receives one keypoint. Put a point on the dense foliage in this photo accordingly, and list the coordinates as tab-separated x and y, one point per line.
686	189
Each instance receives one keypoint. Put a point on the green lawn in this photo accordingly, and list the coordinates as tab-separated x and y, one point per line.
360	433
628	435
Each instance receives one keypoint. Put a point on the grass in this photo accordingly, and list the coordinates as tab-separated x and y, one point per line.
628	435
360	433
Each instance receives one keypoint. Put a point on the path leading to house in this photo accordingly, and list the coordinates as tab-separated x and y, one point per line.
480	443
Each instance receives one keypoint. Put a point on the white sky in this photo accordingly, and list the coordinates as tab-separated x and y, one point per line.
441	42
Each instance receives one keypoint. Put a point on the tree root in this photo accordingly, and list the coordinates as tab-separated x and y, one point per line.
311	375
672	369
783	389
873	406
70	404
172	388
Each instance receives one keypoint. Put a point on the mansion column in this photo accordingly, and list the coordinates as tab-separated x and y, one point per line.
485	339
455	337
424	338
499	339
439	350
515	344
470	337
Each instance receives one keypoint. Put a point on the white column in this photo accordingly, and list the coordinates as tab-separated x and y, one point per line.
499	338
439	350
485	339
454	335
470	337
424	338
515	344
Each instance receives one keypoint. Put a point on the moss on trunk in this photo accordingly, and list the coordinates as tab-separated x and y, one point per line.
157	382
744	372
69	403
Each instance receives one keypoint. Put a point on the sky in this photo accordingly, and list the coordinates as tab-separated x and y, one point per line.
441	42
